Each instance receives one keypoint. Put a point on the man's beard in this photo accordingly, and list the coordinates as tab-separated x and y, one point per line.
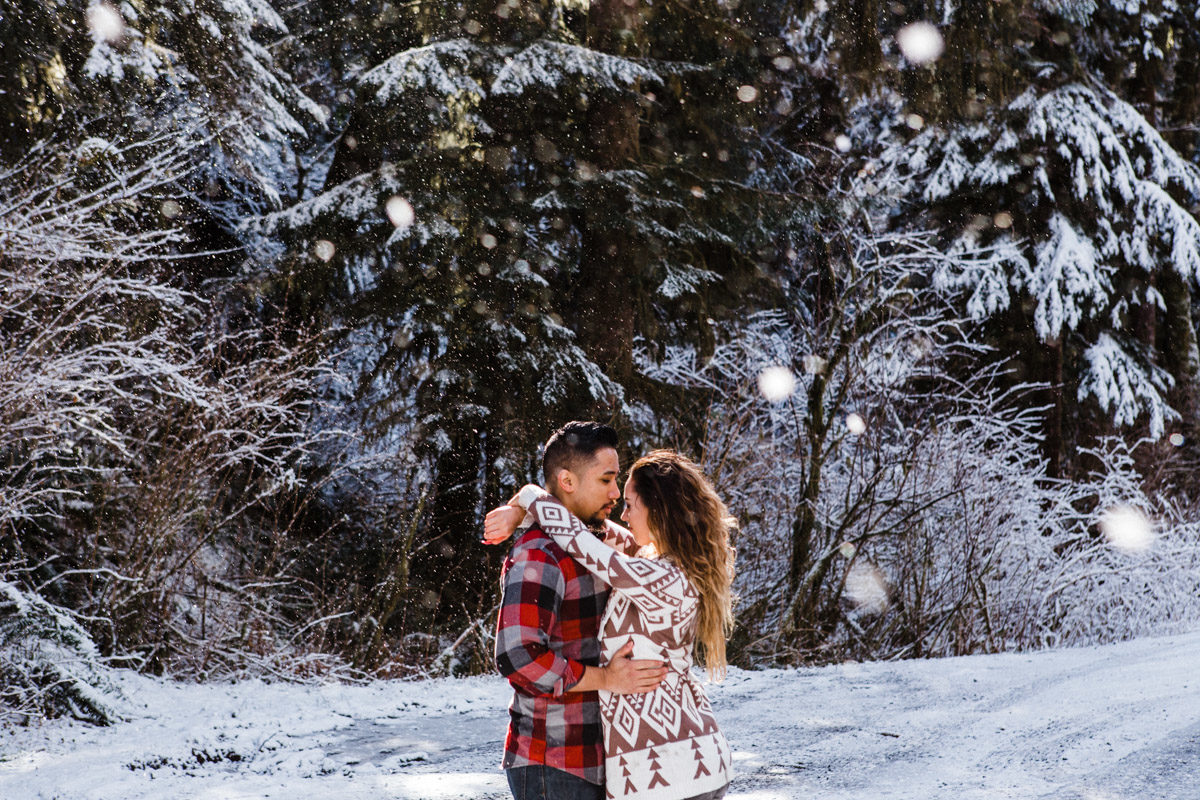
598	519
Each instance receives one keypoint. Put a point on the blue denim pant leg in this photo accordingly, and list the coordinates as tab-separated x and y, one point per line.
548	783
716	794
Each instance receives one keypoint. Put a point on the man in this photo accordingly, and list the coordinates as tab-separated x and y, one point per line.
546	635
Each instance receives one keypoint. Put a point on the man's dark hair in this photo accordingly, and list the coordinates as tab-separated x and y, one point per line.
574	444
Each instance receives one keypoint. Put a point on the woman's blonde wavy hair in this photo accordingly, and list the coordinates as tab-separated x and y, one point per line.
691	525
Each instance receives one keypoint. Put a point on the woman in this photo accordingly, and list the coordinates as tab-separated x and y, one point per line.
665	744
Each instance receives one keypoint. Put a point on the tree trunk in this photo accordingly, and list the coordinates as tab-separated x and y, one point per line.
391	592
1182	351
863	51
451	557
1054	415
1185	100
613	260
805	574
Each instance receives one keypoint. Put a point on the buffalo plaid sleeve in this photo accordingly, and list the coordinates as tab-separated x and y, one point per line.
533	589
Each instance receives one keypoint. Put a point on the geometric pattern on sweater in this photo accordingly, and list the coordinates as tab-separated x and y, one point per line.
648	775
669	713
664	744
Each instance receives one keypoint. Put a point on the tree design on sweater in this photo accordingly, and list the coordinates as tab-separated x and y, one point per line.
698	757
658	779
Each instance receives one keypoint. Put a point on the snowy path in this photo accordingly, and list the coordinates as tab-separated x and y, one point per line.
1112	723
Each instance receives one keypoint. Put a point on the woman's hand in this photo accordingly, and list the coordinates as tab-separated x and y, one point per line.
501	522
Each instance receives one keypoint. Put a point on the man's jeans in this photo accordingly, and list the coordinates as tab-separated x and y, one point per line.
548	783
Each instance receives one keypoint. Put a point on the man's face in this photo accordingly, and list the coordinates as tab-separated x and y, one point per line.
592	493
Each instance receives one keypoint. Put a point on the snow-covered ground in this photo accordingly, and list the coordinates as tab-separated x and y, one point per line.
1105	723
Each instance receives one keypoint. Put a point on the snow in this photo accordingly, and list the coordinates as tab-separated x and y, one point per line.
1125	388
442	68
685	279
1111	722
545	64
776	383
1078	269
920	42
1068	273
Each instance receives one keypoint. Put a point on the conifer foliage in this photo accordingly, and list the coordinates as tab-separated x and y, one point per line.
290	293
1067	208
500	218
49	665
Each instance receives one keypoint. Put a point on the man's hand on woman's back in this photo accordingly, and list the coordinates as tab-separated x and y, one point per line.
623	675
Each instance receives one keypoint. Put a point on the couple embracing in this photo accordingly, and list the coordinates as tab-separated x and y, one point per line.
598	624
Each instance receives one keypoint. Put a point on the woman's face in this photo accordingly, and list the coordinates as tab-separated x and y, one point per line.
635	516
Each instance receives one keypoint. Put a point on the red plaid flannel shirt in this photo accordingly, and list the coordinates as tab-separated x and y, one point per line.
546	632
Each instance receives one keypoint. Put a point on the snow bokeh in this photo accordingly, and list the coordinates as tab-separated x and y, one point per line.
324	249
1127	529
920	42
776	383
400	212
866	588
105	22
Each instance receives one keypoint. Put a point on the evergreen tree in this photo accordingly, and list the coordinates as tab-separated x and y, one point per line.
202	68
507	208
1068	210
48	664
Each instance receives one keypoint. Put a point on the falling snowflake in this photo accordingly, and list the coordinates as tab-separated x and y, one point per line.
920	42
856	424
1127	529
400	212
324	249
776	383
105	22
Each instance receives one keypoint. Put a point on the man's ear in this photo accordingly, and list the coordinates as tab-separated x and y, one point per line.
566	481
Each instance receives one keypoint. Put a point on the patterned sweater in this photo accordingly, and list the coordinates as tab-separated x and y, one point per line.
665	744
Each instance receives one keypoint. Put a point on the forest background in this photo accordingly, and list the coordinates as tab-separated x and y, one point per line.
292	290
